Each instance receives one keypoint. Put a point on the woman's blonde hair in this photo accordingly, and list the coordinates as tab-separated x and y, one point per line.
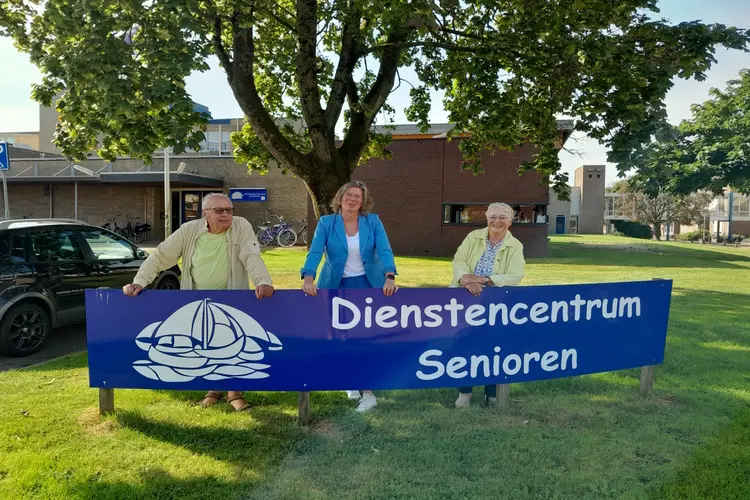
367	201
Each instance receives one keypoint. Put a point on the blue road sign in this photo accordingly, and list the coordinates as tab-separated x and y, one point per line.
4	158
248	194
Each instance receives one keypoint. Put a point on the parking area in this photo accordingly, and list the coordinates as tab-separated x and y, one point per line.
61	342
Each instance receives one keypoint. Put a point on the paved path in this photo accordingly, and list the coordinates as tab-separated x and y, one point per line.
62	341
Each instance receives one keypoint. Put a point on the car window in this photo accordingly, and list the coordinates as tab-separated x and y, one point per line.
106	246
18	248
4	245
55	245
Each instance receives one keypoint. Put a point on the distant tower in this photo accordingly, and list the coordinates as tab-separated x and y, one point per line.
590	178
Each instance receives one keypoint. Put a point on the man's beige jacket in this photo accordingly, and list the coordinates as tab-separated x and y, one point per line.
243	248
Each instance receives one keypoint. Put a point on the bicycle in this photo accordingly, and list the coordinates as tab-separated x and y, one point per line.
282	233
137	233
302	233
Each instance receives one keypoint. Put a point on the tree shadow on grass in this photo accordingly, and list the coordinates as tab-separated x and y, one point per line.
236	446
157	483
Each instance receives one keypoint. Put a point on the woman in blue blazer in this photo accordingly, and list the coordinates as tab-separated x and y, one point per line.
358	254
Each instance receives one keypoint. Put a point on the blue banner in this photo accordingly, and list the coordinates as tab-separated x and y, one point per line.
359	339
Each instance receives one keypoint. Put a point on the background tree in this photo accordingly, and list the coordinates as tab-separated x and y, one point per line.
662	207
507	68
692	208
709	151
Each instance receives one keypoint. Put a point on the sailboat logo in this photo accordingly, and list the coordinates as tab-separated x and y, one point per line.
205	339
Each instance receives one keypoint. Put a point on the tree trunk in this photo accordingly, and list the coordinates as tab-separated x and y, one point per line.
657	231
322	182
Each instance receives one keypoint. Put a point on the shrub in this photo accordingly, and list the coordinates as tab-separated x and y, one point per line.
693	235
633	229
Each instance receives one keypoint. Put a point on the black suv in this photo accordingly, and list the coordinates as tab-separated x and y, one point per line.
45	266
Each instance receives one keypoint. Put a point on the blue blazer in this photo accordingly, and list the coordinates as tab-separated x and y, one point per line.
330	238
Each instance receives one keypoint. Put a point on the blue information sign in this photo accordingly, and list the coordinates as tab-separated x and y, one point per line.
248	194
418	338
4	157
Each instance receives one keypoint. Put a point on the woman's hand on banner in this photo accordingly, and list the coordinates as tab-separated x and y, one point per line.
474	288
309	286
389	288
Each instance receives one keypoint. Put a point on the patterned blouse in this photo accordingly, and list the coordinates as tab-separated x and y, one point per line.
486	264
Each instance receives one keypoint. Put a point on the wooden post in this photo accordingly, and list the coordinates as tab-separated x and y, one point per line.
303	411
647	380
503	397
106	401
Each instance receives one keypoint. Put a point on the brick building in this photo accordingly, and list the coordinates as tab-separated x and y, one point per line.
43	187
428	204
426	201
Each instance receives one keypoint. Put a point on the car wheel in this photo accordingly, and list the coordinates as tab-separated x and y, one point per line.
168	283
24	329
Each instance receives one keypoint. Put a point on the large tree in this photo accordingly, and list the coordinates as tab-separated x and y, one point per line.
508	69
711	150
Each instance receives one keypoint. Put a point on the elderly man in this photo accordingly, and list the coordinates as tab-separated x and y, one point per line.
218	252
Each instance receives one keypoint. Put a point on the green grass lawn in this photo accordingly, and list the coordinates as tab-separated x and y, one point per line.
582	437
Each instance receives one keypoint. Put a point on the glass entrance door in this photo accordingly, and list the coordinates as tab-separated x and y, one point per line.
191	205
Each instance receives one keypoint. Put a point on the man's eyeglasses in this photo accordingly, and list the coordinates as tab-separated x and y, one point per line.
220	210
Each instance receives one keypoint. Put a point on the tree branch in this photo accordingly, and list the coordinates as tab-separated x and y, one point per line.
451	47
347	60
242	82
285	23
307	78
352	95
361	120
218	44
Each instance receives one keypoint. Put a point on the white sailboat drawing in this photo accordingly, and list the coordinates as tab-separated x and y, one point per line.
205	339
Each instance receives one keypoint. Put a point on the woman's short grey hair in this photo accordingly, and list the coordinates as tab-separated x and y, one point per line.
500	207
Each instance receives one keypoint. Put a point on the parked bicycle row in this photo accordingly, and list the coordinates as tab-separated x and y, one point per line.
133	231
283	234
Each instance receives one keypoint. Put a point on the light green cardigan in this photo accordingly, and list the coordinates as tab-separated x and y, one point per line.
509	262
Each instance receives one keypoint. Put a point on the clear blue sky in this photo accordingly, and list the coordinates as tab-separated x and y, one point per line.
19	113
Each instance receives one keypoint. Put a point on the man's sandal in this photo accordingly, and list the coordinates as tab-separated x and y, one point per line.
245	406
211	395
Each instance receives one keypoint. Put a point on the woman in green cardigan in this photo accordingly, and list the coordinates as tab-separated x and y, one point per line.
488	257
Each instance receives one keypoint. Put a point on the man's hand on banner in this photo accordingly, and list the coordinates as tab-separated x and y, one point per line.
132	289
264	291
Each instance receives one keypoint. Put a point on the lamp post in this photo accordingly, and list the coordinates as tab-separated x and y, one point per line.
167	197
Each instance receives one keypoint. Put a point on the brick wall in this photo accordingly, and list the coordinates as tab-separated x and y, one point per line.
740	227
409	191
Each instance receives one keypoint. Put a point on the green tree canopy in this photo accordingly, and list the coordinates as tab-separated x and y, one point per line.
508	70
709	151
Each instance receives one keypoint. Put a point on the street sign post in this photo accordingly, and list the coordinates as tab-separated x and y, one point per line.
4	167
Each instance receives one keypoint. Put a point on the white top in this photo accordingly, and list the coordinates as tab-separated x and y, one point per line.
353	266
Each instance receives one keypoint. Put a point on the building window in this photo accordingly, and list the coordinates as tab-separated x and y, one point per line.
474	213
